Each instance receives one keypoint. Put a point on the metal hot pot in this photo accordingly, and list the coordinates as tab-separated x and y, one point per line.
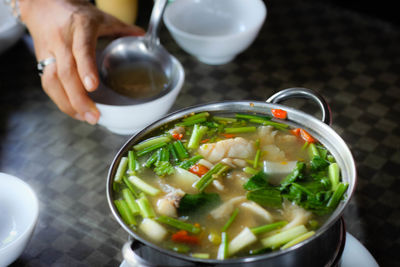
322	249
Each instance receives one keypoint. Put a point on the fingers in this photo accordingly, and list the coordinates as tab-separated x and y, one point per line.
53	88
83	49
68	75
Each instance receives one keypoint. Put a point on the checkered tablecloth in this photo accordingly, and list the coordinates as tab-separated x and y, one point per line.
350	58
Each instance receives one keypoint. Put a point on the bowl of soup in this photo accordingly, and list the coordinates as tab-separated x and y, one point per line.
134	91
235	182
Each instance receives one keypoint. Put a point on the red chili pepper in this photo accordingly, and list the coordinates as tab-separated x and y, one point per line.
279	113
306	136
205	140
177	136
228	135
295	132
183	237
198	169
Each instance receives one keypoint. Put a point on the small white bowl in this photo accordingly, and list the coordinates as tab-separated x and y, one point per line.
214	31
121	115
10	30
19	210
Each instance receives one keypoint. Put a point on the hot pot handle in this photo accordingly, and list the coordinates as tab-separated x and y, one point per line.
127	253
304	93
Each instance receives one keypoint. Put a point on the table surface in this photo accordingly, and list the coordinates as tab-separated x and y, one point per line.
350	58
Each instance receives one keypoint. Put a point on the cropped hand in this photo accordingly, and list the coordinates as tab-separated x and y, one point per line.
67	30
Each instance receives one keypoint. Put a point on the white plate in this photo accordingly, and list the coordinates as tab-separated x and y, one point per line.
354	254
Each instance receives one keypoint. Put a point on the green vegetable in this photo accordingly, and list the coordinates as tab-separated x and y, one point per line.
146	210
277	240
152	159
249	117
197	203
224	119
150	148
250	170
174	155
246	129
121	170
197	133
186	164
268	227
151	142
135	191
258	181
196	116
223	248
312	150
125	212
207	178
145	187
131	201
298	239
201	255
132	162
334	175
230	221
337	195
297	173
318	163
179	224
164	168
180	150
267	197
191	122
180	248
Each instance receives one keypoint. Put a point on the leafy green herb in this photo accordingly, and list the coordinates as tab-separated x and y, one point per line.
197	203
297	173
163	168
258	181
318	163
267	197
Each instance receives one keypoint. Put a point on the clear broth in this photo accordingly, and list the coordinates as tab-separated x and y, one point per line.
142	80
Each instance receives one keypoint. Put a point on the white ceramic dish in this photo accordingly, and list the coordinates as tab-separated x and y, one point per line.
19	210
214	31
10	30
121	115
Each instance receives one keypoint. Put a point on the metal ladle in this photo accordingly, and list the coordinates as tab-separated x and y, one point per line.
139	50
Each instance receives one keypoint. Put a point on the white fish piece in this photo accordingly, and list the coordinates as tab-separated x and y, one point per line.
266	134
218	185
232	162
277	171
225	209
273	153
205	163
168	204
295	215
258	210
237	147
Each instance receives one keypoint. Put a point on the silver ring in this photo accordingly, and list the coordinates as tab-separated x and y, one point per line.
43	63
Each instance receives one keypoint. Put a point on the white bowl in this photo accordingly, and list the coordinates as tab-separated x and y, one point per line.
19	210
121	115
214	31
10	29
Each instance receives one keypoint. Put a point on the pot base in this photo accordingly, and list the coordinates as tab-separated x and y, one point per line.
323	251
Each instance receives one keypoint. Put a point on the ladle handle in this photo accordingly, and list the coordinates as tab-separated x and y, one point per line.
155	18
304	93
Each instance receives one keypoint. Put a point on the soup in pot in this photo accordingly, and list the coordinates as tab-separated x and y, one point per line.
220	186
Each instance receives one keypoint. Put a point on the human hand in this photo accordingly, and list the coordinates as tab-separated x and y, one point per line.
67	30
